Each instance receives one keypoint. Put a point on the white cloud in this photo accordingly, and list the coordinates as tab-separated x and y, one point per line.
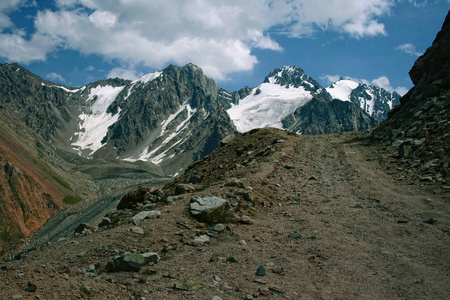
55	77
6	6
382	82
355	17
408	49
330	79
219	35
124	73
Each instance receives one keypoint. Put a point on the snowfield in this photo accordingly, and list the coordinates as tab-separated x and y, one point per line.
267	105
94	125
342	89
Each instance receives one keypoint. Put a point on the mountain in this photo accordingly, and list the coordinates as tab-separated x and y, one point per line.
292	100
170	118
68	145
375	101
418	131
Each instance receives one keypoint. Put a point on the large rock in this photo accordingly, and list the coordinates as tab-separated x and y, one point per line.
132	262
211	209
131	199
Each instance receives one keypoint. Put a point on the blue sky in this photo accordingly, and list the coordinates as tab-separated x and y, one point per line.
74	42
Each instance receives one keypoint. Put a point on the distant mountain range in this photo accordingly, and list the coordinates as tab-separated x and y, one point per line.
69	144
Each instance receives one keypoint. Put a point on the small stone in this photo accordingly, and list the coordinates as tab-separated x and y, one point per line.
243	242
246	220
261	271
31	287
105	222
219	227
295	236
137	230
426	178
264	291
151	257
16	296
248	297
201	240
83	229
102	248
275	289
85	288
216	298
189	286
183	188
430	221
234	182
149	214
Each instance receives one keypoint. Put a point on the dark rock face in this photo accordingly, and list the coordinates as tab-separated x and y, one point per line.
374	100
420	127
320	116
41	105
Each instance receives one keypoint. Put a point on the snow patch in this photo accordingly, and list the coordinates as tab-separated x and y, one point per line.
269	107
147	78
342	89
94	125
152	156
64	88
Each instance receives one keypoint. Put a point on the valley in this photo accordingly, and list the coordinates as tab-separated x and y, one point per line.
167	187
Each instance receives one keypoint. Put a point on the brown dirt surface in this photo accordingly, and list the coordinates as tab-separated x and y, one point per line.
333	218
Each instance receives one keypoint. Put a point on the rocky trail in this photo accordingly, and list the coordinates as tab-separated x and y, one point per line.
317	217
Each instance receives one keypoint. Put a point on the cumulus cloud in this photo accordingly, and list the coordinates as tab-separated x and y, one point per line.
408	49
384	82
124	73
330	79
219	35
55	77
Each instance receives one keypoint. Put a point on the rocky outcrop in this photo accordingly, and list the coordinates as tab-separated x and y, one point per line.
420	128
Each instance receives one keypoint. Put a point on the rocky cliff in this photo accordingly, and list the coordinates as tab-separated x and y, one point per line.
419	130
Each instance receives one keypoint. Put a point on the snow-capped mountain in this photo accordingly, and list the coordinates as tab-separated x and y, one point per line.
375	101
170	118
277	102
272	101
176	116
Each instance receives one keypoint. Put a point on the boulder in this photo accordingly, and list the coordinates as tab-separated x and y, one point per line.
131	262
184	188
148	214
83	229
211	209
131	199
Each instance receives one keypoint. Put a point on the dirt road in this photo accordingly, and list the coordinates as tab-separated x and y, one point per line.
333	219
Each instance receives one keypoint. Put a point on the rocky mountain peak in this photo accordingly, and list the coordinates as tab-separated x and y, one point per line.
292	76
